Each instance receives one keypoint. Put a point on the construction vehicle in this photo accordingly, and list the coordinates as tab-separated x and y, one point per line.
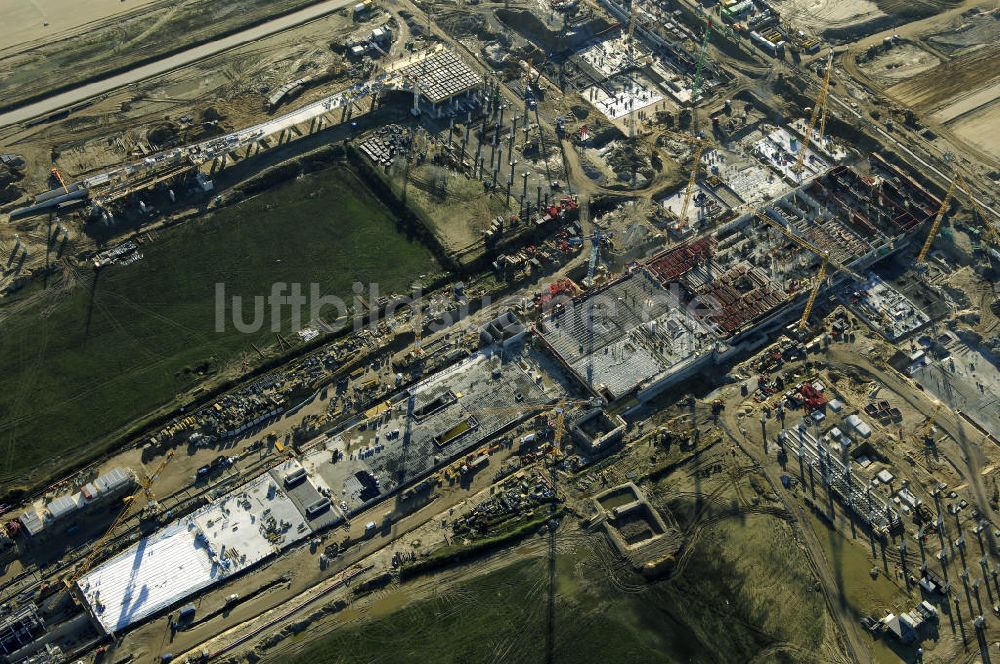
925	429
936	225
59	177
827	262
820	103
99	546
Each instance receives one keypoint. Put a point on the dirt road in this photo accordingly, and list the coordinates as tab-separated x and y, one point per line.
848	631
185	58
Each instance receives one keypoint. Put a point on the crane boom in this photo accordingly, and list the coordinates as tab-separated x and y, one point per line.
826	107
926	427
809	246
820	101
99	546
55	172
984	220
804	321
595	241
936	226
695	162
560	426
148	482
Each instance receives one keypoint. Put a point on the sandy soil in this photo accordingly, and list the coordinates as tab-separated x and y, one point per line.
900	63
31	20
230	81
949	81
979	128
815	16
967	32
969	103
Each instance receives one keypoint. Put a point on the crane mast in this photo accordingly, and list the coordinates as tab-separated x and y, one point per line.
804	321
145	487
699	70
936	226
633	9
820	102
823	268
695	162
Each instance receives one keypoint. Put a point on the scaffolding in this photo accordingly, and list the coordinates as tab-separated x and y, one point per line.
20	628
835	475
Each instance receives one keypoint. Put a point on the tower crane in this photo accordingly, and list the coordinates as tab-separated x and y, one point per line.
418	328
826	263
695	163
701	144
699	70
699	76
991	230
595	240
98	547
633	10
826	106
559	407
936	225
557	429
820	102
809	246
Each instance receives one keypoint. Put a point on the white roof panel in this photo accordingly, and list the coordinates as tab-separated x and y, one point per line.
63	505
157	572
238	530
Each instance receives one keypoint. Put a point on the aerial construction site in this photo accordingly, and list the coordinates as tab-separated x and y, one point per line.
562	330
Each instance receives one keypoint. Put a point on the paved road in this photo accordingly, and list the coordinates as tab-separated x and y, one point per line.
184	58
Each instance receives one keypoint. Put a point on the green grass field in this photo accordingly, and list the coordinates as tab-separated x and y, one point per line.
744	595
79	365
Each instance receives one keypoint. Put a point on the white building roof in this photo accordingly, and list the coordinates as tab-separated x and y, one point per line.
113	480
63	505
155	573
859	425
219	540
31	522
